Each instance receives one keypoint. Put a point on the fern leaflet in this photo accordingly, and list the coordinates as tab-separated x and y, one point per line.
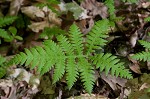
2	68
7	20
96	36
144	55
4	34
145	44
110	63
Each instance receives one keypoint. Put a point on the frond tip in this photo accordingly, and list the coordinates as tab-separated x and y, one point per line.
107	62
144	55
7	20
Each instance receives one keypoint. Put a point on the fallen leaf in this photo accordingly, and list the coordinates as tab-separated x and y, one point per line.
135	68
37	26
145	85
133	39
33	12
15	6
95	8
113	81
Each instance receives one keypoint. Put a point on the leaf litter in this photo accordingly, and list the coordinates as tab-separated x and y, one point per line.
128	31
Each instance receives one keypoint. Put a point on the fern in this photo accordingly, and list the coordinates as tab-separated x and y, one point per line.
75	56
111	8
7	20
2	69
95	39
4	34
147	19
144	55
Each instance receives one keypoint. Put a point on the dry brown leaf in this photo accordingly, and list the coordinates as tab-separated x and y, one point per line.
15	7
37	26
50	18
87	96
146	4
135	68
95	8
133	39
33	12
145	85
113	81
148	65
85	25
25	83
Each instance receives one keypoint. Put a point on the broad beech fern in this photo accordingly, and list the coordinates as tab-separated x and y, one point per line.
75	56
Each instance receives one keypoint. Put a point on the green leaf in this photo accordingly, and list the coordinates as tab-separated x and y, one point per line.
4	34
2	72
7	20
13	30
18	38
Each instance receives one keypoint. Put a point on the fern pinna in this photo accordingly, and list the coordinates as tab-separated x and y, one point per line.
75	56
3	22
144	55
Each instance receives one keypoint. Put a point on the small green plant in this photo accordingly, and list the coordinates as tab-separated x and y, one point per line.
10	34
75	56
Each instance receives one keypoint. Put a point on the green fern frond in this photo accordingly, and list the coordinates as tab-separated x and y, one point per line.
86	74
67	55
107	62
71	67
7	20
96	37
147	19
76	38
4	34
2	60
2	69
111	8
145	56
72	72
145	44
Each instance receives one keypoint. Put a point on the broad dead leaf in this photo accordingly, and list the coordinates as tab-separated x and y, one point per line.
145	85
133	39
87	96
135	68
113	81
49	18
33	12
95	8
37	26
15	7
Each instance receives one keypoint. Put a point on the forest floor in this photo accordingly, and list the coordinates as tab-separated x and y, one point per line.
29	30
